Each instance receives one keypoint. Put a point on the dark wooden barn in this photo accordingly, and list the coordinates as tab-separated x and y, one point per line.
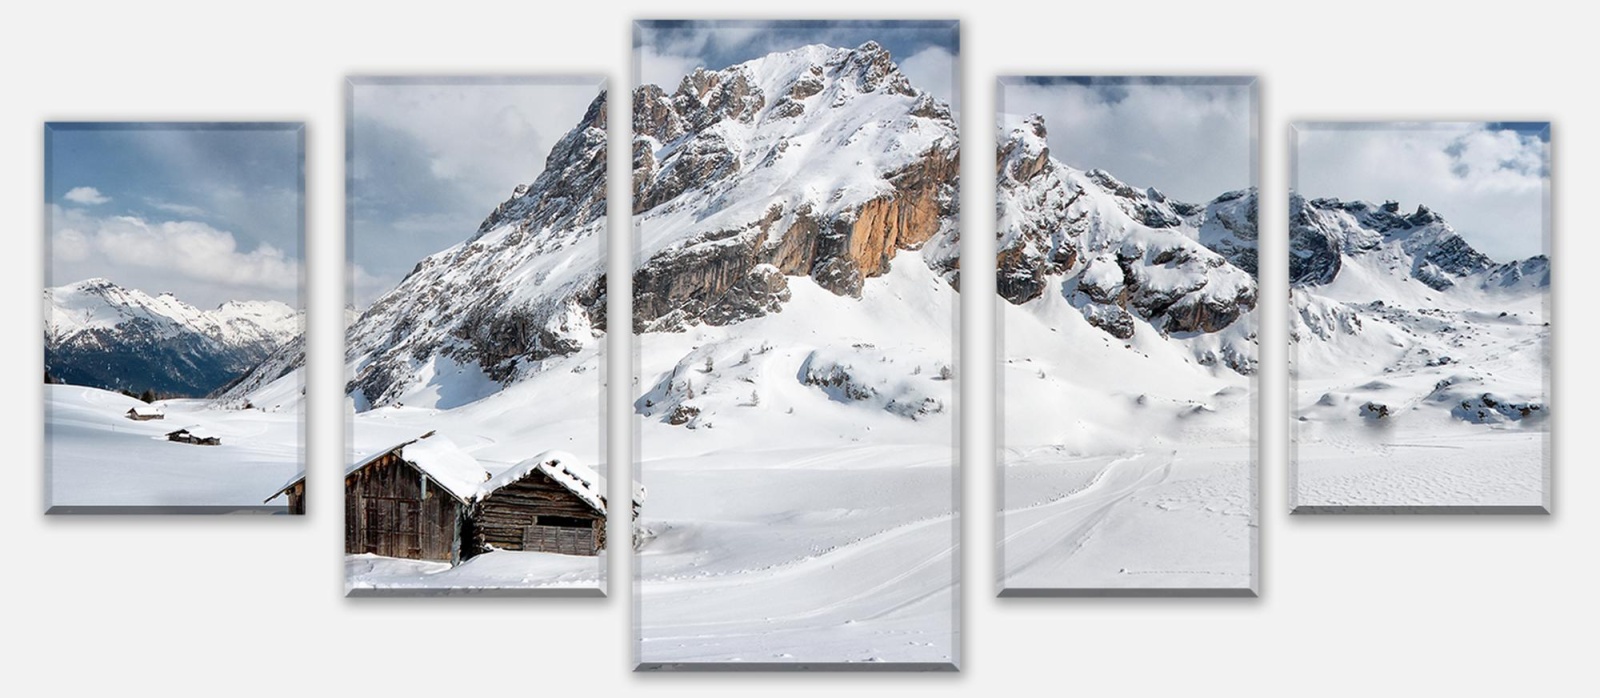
427	500
193	436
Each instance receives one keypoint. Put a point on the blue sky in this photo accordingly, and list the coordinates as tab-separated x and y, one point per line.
1488	179
666	50
1189	137
430	158
208	212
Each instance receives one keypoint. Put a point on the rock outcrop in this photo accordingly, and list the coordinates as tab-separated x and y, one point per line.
1120	251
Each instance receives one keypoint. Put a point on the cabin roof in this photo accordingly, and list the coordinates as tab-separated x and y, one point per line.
437	457
458	473
446	464
196	432
145	409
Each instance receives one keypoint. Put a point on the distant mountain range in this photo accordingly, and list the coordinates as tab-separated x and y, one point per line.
103	335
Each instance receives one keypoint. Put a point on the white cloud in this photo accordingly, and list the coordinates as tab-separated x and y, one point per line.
1192	141
194	260
87	196
1489	184
488	137
933	70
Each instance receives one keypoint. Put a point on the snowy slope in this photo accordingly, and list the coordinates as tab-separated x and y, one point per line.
795	299
1127	398
100	334
1420	363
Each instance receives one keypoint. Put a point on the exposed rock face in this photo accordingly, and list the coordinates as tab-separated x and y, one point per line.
1120	251
819	162
528	285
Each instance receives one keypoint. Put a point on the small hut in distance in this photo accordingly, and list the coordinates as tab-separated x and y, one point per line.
193	435
145	413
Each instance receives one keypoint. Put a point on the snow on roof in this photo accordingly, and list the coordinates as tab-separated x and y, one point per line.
145	409
566	470
464	478
196	432
442	461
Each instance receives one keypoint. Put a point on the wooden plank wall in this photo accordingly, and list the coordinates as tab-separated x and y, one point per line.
389	478
502	517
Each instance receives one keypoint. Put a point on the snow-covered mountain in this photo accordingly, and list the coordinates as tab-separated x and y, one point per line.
1326	232
1396	313
819	162
528	286
103	335
1129	260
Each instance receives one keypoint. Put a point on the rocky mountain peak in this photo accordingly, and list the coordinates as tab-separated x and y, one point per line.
819	162
1120	253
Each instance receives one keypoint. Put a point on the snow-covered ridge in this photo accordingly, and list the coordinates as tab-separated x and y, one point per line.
1327	234
99	304
103	335
820	162
1125	257
527	286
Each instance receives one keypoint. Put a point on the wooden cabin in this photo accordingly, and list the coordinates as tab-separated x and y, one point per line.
549	503
145	413
425	499
194	436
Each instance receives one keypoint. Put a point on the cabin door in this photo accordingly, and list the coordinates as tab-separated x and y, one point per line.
394	527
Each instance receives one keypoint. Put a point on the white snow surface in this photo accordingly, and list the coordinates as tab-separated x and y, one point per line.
789	521
96	456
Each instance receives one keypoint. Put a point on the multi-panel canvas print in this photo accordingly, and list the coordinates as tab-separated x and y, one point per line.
1128	349
795	201
1419	273
477	226
173	287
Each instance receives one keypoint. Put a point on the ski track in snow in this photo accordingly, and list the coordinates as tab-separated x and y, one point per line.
1069	521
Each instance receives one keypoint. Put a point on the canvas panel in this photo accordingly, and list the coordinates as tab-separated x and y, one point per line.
794	302
1419	271
174	293
1127	283
475	345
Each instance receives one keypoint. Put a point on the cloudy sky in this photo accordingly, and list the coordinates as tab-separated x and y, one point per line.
208	212
1486	179
665	51
431	158
1189	137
